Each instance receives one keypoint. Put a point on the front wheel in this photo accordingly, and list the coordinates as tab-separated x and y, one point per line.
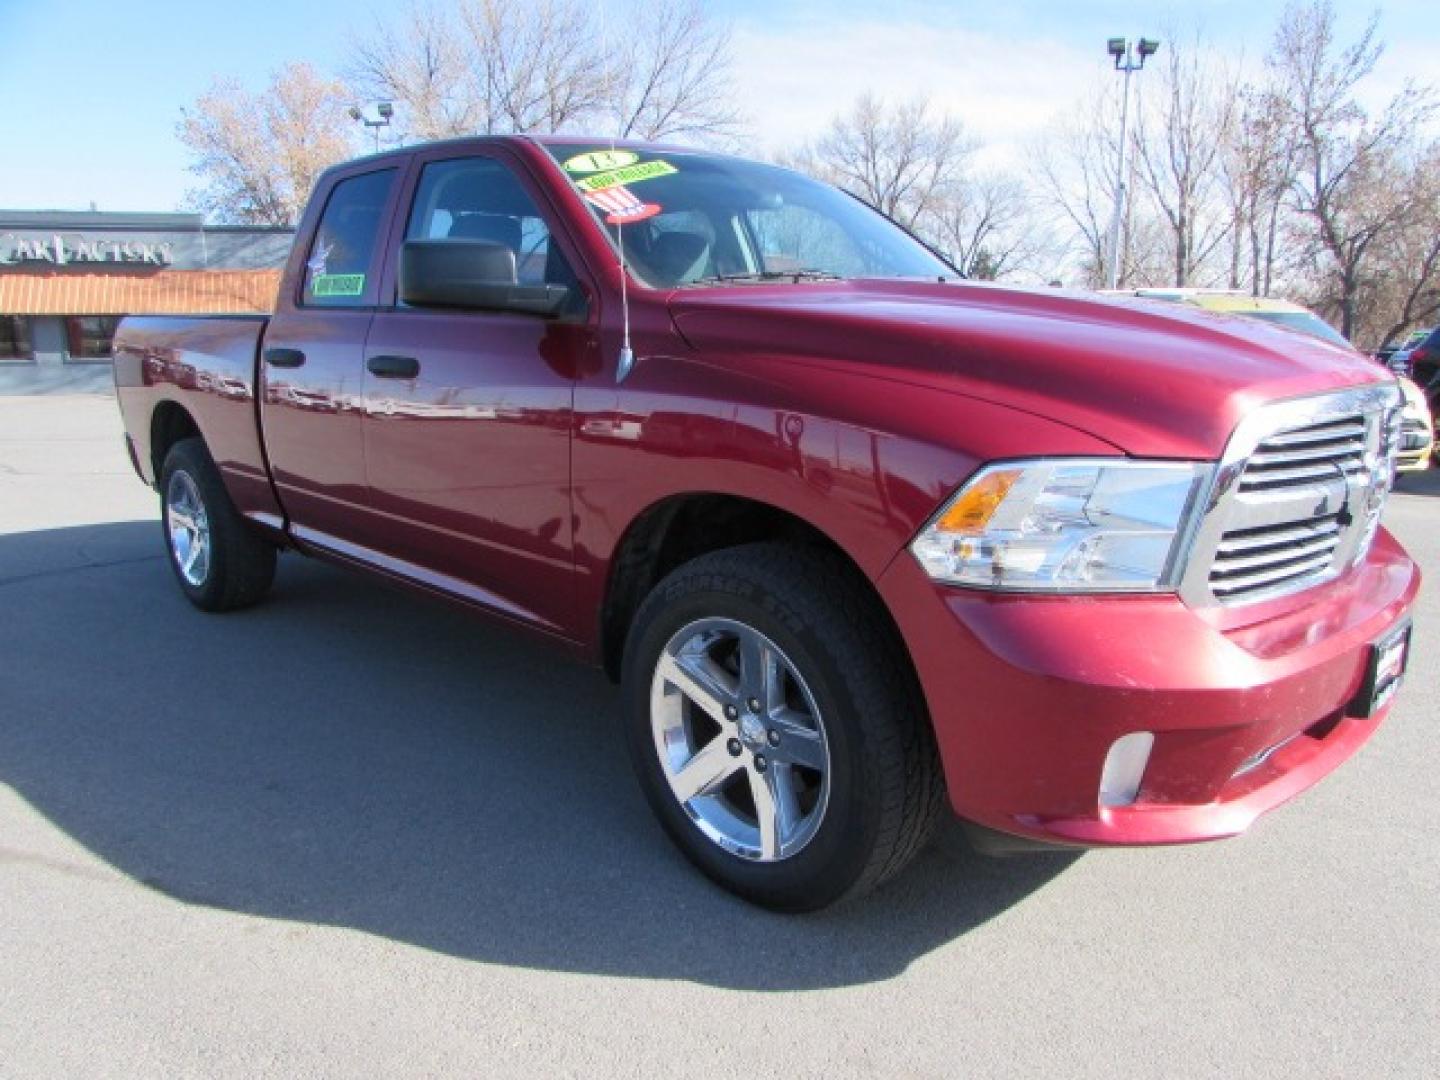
775	728
219	563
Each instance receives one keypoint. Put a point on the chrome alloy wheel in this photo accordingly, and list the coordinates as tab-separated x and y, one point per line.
740	739
188	527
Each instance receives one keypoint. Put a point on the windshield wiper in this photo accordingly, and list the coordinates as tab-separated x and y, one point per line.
769	275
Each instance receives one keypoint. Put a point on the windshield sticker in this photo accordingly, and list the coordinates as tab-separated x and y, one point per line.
629	217
620	205
599	160
645	170
337	285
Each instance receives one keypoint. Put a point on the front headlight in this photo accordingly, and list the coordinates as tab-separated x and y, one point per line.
1065	525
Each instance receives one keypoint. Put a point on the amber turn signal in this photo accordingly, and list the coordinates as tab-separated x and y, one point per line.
971	512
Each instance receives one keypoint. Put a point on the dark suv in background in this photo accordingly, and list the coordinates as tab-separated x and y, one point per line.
1424	364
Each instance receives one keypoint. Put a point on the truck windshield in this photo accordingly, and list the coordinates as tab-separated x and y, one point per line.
695	220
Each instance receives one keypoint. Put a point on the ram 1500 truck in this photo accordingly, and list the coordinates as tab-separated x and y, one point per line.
861	542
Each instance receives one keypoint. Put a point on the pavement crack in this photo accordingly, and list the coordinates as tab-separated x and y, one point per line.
63	570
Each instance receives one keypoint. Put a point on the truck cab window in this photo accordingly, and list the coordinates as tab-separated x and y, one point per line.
480	199
337	271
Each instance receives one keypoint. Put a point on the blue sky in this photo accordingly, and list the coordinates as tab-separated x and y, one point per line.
91	89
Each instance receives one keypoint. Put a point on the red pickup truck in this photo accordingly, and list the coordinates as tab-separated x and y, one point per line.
858	540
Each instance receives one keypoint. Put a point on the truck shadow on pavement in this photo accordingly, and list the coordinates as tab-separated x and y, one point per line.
350	755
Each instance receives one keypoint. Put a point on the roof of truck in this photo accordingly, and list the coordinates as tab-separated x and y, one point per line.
466	141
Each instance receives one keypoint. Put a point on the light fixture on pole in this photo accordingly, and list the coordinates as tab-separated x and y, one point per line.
1127	61
383	112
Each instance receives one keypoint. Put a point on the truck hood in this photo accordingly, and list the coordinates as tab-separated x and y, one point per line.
1153	378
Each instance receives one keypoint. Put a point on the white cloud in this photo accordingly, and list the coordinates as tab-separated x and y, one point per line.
794	77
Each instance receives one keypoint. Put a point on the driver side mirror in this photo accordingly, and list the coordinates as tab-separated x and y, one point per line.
471	274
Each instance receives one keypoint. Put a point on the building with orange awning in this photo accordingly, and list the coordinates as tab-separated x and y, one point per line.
67	278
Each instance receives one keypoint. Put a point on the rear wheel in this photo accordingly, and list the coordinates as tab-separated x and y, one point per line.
218	561
775	729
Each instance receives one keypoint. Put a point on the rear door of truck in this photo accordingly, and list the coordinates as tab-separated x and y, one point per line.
312	362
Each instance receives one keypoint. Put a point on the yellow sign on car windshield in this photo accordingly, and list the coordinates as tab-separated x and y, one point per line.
645	170
599	160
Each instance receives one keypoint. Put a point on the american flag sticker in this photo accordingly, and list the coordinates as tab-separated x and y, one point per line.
620	205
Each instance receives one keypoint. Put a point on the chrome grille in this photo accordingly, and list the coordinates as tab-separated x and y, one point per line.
1297	497
1319	452
1249	559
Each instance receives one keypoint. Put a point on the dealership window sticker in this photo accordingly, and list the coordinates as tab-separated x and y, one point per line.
620	205
337	285
629	174
600	160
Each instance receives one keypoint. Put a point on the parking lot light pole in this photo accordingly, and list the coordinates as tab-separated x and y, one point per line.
383	112
1127	61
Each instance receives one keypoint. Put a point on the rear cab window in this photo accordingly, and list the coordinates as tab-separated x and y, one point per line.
340	266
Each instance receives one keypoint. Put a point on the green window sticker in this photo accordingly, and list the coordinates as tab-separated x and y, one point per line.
598	160
629	174
337	285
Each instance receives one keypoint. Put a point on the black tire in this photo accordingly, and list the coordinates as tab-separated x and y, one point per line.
240	564
886	790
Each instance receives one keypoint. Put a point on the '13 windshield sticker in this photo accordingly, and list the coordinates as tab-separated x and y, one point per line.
629	174
337	285
599	160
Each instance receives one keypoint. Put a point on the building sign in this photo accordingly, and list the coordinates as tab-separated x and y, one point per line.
64	250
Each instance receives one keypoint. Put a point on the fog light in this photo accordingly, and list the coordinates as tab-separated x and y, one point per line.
1124	768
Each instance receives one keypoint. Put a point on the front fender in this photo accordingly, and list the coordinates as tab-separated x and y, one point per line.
865	461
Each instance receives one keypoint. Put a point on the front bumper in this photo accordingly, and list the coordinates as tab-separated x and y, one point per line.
1249	706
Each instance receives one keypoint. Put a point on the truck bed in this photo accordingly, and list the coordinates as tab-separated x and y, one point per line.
206	365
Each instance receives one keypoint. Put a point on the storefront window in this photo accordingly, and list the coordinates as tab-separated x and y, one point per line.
90	336
15	338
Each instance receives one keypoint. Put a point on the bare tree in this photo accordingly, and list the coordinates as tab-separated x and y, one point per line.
1178	147
1347	205
676	79
421	64
1077	168
1404	289
260	154
985	222
1258	161
900	159
538	65
989	228
1290	181
500	66
1072	166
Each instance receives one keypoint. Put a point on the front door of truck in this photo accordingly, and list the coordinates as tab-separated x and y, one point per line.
312	360
468	412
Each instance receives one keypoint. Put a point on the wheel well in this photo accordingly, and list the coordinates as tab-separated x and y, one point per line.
683	528
168	425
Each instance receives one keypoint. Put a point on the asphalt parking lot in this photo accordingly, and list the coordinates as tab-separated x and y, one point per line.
354	832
